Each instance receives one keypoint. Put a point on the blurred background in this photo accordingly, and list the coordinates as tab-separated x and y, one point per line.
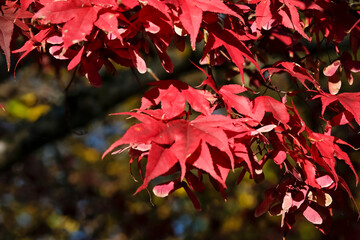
54	184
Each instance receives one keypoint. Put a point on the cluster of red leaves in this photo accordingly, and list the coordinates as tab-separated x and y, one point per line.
230	130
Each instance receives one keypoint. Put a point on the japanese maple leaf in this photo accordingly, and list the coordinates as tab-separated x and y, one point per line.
173	94
25	4
284	12
232	42
328	147
33	43
158	26
9	15
176	141
6	31
187	136
191	14
255	109
263	13
240	103
350	101
296	71
227	94
264	104
79	17
290	17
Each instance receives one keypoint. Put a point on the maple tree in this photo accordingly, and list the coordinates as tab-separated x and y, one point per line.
185	133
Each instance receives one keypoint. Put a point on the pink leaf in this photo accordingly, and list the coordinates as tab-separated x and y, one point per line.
163	190
332	68
325	181
334	84
312	216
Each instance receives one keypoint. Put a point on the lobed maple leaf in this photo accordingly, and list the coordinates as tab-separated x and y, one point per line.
290	17
254	109
191	13
297	72
158	27
9	17
78	16
328	148
173	95
33	43
284	12
6	30
333	21
176	141
264	104
350	101
232	42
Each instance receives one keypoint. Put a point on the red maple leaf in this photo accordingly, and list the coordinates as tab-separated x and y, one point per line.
254	109
9	16
328	148
350	101
283	12
193	144
191	13
264	104
234	45
263	14
33	43
297	72
6	31
78	17
173	95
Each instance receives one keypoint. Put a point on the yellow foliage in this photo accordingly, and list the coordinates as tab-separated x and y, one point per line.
17	109
91	155
86	153
231	224
35	112
163	211
108	189
71	225
56	221
246	200
20	110
138	207
113	168
29	99
180	193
